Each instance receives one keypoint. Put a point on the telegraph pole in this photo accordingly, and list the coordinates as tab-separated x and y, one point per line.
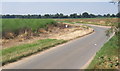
118	6
118	2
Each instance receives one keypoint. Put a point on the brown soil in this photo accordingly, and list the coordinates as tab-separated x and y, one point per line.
53	32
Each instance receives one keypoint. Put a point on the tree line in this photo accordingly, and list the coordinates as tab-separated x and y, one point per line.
60	15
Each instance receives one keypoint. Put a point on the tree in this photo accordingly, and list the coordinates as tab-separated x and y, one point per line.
118	15
112	15
57	15
65	16
46	16
73	15
79	16
85	15
92	16
108	15
100	15
61	15
39	16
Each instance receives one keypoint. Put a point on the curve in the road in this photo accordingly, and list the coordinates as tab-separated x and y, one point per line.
72	55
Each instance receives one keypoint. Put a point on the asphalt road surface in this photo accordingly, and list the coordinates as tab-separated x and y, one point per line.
72	55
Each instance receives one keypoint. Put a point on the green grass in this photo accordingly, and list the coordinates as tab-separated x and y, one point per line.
107	57
0	28
13	25
17	52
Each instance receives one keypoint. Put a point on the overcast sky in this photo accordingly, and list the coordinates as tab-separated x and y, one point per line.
58	7
56	0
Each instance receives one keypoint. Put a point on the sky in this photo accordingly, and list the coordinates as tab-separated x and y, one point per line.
57	6
55	0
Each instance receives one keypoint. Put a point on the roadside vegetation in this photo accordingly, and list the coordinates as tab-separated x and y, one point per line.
14	27
17	52
107	57
24	29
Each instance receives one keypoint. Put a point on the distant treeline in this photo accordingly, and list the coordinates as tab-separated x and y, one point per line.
60	15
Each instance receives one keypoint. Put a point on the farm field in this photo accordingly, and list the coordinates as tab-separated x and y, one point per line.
15	27
94	21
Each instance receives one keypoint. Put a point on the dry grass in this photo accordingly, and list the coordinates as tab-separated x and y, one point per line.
96	21
17	52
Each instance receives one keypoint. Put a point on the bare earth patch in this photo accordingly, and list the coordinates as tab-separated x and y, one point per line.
72	33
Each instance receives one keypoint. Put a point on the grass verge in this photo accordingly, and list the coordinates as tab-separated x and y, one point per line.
17	52
107	57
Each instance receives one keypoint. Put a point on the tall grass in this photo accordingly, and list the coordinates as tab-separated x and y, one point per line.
13	25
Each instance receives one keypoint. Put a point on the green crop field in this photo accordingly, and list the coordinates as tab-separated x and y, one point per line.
14	25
